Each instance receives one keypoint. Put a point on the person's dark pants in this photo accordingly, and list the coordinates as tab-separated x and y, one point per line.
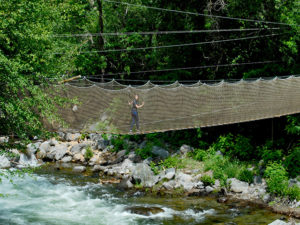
134	119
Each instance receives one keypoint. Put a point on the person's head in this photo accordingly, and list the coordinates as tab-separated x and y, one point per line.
136	97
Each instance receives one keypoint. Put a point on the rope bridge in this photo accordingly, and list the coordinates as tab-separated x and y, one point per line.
107	107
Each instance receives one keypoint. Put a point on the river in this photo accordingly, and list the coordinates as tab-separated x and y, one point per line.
51	196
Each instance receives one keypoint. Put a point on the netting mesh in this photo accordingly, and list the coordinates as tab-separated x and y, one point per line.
104	107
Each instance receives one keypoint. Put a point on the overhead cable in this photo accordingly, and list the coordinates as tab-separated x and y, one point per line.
159	32
200	14
172	46
182	68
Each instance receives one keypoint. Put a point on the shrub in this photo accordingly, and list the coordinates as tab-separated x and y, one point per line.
88	153
239	146
207	180
154	168
269	155
199	154
276	178
172	162
293	193
246	175
146	152
292	162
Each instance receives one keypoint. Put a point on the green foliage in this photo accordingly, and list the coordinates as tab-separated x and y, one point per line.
293	192
172	162
238	146
88	153
207	180
269	155
199	154
246	175
154	168
292	162
146	152
120	142
276	178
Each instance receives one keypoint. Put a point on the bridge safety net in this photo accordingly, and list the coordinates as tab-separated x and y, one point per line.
110	107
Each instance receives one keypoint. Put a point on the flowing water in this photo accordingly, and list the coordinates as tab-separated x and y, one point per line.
51	196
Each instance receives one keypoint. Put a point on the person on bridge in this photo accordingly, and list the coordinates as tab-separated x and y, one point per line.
134	112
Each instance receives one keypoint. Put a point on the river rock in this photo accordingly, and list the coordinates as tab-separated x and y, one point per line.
4	162
293	182
60	151
43	149
98	168
280	222
33	147
66	159
170	185
126	184
199	185
143	175
4	140
184	149
237	186
209	189
170	173
160	152
77	148
79	169
145	211
185	181
78	157
72	137
134	157
53	142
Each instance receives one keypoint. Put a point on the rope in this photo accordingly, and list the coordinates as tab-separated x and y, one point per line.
201	14
159	32
172	46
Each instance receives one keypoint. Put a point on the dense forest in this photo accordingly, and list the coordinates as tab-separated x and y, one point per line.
42	42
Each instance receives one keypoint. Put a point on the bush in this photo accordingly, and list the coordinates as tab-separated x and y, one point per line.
88	153
172	162
146	152
199	154
276	178
239	146
292	162
246	175
207	180
269	155
293	193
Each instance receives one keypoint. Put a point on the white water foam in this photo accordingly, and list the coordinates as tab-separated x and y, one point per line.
37	200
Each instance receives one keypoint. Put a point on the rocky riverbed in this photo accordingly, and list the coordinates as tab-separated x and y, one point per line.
127	170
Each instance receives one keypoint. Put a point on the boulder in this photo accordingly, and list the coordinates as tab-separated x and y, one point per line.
160	152
102	144
78	157
4	139
209	189
72	137
53	142
199	185
79	169
4	162
184	149
293	182
33	147
143	175
145	211
134	157
43	149
170	185
126	184
185	181
97	168
94	160
60	151
238	186
279	222
66	159
170	173
77	148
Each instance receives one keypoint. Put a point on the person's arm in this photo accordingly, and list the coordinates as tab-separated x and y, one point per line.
130	102
140	106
